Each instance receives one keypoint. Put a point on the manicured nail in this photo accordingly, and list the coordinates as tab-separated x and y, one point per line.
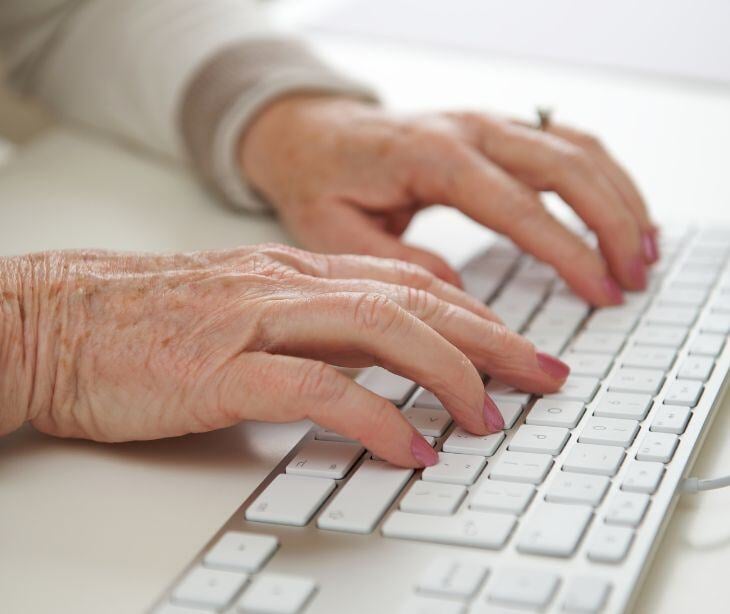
649	245
637	272
554	367
492	416
422	452
613	291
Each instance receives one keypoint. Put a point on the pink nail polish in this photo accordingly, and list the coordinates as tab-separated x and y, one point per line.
637	272
649	245
613	291
422	452
554	367
492	416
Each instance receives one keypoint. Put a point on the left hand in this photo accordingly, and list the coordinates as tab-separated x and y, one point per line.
347	177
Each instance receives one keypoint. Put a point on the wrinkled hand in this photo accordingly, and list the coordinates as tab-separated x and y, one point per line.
347	176
142	346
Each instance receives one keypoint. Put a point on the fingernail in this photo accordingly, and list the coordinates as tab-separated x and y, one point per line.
422	452
637	272
492	416
613	291
649	245
554	367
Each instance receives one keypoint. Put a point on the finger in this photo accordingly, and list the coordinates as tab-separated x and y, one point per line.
344	229
548	162
261	386
384	333
486	193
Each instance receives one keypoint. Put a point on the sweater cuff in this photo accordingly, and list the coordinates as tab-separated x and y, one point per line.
226	93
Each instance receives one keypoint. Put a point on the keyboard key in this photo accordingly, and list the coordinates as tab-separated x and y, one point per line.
327	435
696	367
477	529
556	321
582	363
648	357
613	320
522	587
208	588
290	499
170	608
463	442
683	392
432	498
363	500
577	488
495	496
546	412
553	529
671	316
237	551
499	391
426	398
388	385
609	431
421	604
657	447
609	543
450	577
626	405
277	594
431	422
672	295
599	343
594	459
715	323
586	595
539	439
510	411
668	419
628	379
455	468
549	342
643	477
707	345
325	459
660	336
576	388
521	467
626	508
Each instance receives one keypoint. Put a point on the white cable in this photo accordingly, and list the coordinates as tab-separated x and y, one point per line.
694	485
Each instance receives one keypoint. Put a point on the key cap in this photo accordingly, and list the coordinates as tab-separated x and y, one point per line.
477	529
277	594
521	467
613	320
366	496
463	442
626	405
609	431
325	459
555	321
695	278
426	398
661	336
599	343
626	508
657	447
642	477
609	544
648	357
170	608
594	365
696	367
565	414
715	323
388	385
499	391
576	388
431	422
553	529
208	588
450	577
510	412
594	459
627	379
668	419
577	488
586	595
421	604
494	496
539	439
432	498
326	435
721	303
455	468
671	316
683	392
672	295
290	499
522	587
707	345
238	551
548	342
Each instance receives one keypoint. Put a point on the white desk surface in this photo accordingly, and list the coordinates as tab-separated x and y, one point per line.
90	528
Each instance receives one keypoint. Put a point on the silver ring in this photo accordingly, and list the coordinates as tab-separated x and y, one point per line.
544	118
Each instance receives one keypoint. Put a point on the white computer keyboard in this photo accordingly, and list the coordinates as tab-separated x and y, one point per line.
560	512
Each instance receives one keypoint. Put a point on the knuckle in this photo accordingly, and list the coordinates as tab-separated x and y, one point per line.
575	160
375	312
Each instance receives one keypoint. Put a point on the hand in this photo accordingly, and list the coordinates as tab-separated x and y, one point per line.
346	176
140	347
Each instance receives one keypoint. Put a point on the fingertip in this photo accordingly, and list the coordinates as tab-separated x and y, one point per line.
552	366
492	416
423	454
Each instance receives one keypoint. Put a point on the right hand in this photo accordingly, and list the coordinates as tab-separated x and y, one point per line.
142	346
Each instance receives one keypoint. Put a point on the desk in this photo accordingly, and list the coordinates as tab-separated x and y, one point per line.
89	528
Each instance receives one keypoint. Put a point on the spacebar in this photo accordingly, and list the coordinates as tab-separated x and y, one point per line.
363	500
